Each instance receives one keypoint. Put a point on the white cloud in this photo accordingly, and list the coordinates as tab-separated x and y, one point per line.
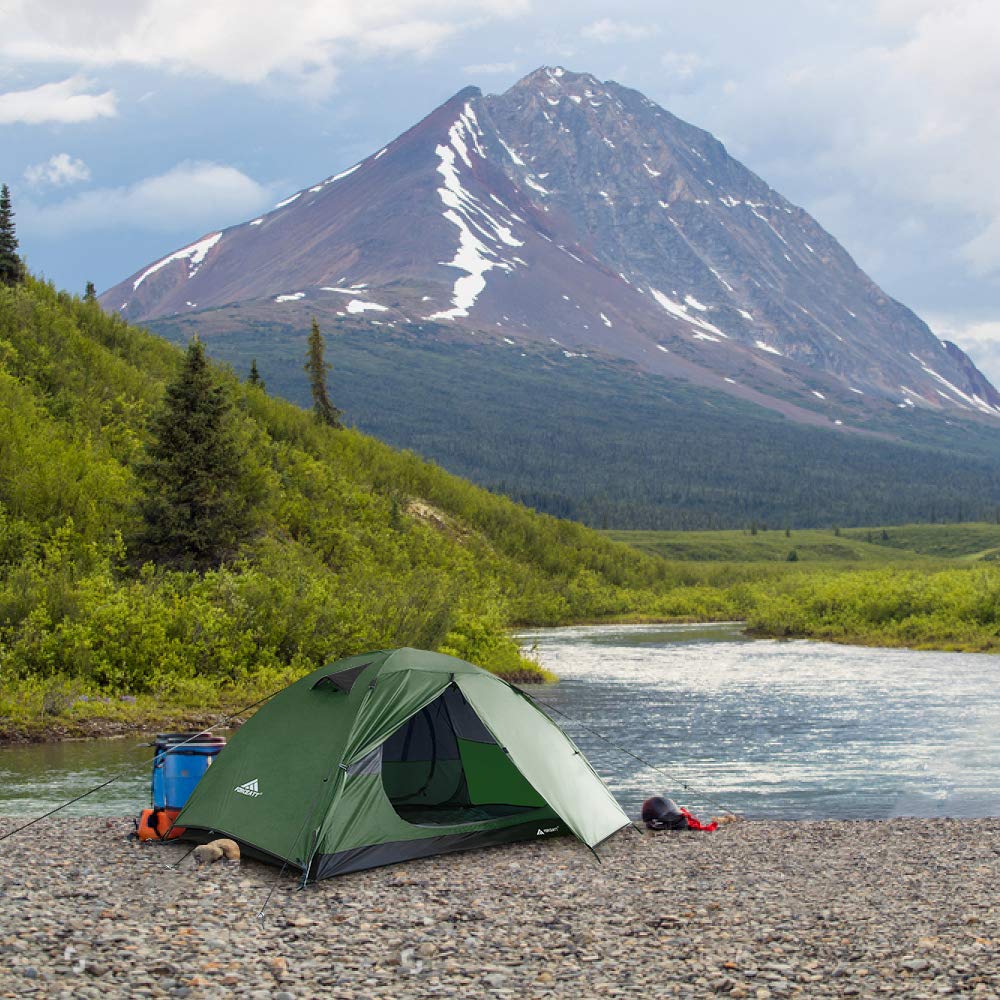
682	65
489	69
58	170
905	114
67	101
983	250
607	30
191	196
244	41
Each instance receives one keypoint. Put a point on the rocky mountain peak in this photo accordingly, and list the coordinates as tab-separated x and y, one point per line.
579	213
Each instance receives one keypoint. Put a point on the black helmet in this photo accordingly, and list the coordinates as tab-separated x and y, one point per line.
660	813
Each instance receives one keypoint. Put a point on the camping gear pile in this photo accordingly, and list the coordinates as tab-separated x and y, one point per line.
180	760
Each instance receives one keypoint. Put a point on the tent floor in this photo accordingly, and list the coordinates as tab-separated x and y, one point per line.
450	814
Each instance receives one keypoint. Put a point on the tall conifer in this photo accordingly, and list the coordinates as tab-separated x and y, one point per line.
89	292
255	380
199	493
317	369
11	269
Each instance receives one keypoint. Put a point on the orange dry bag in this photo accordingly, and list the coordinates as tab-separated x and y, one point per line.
155	824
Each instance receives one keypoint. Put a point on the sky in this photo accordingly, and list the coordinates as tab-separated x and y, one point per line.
128	128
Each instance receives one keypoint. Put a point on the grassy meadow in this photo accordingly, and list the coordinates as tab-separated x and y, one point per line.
930	586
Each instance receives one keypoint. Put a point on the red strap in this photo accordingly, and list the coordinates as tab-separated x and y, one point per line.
696	824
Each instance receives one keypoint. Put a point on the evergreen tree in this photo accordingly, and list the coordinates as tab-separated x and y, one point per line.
317	368
11	269
255	380
198	492
90	292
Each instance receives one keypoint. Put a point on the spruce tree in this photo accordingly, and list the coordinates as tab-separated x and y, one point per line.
316	366
198	492
255	380
89	292
11	269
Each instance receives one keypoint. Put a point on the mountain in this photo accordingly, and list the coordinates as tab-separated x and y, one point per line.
568	236
580	212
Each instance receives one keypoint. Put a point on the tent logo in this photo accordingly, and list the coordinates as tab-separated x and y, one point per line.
542	830
249	788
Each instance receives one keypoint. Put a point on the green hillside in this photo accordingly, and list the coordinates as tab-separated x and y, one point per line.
932	586
356	546
908	543
595	442
351	546
970	541
763	546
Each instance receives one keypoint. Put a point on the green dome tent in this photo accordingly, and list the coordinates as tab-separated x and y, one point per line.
395	755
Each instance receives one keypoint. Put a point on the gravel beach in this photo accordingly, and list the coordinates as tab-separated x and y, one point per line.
903	907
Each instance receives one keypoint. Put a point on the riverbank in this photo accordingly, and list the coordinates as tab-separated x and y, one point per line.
62	709
84	717
901	908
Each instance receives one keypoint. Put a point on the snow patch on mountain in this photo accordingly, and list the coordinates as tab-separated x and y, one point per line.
975	401
718	277
510	152
680	311
195	255
767	222
467	213
764	346
359	306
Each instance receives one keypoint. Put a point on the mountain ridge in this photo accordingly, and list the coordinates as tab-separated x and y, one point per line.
578	213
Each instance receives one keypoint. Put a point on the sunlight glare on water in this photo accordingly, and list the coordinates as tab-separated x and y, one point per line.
788	730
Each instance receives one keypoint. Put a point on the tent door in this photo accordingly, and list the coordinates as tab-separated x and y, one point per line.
442	767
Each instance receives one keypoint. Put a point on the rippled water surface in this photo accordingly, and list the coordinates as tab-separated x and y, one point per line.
39	777
786	730
780	729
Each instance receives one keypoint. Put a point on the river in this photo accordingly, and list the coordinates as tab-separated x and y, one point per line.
780	730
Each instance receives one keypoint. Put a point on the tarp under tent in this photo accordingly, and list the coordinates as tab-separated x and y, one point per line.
395	755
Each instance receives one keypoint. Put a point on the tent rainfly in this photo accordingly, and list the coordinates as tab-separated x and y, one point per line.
394	755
